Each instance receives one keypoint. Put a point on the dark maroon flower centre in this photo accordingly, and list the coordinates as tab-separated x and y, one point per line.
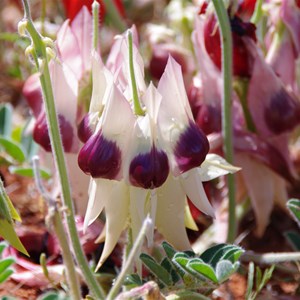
100	157
191	148
149	170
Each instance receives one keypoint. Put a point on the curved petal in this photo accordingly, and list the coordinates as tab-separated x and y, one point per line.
170	214
116	211
100	190
260	185
193	187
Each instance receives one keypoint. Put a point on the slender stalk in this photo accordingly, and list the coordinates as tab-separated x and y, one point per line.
132	256
59	158
225	29
136	103
270	258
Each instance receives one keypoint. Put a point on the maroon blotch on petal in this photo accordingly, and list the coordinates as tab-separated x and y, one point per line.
283	112
191	148
149	170
41	133
85	129
100	157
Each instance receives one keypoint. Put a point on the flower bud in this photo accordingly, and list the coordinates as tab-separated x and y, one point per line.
100	157
191	148
149	170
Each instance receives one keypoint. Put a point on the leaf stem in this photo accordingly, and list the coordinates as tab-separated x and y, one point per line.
58	153
227	133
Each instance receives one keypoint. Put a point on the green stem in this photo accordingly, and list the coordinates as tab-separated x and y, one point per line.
59	158
225	29
95	8
131	258
114	16
136	103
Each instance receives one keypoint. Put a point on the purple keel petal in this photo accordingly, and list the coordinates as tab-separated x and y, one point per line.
149	170
100	157
191	148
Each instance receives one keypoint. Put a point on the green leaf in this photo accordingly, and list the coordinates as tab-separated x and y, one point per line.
170	251
7	214
28	172
294	206
221	251
6	112
6	263
233	255
133	280
294	239
266	277
224	269
5	275
54	296
7	231
13	149
161	273
198	267
166	264
258	277
3	245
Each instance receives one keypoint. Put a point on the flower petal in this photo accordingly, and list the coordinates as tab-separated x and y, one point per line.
193	187
100	189
260	185
170	214
215	166
116	212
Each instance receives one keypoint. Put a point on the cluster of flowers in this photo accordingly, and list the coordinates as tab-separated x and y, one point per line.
142	161
143	146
